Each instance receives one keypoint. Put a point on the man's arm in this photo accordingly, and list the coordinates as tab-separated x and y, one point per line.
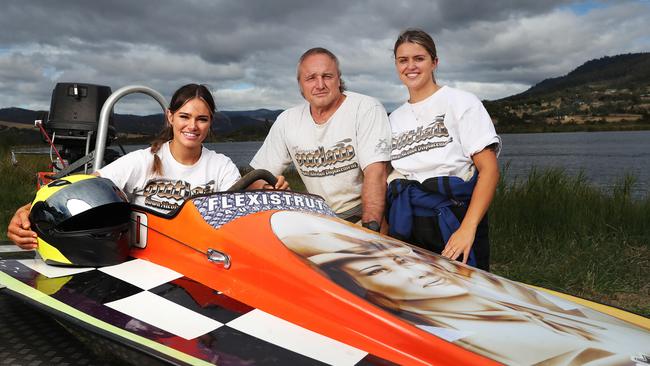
373	140
373	192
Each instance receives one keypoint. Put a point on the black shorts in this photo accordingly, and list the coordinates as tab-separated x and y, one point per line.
426	234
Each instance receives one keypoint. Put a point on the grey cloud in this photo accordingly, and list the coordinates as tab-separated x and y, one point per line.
529	50
247	50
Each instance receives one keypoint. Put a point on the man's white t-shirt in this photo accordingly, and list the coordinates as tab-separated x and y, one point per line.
132	173
438	136
329	157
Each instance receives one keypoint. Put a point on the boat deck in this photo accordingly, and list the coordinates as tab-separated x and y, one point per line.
31	338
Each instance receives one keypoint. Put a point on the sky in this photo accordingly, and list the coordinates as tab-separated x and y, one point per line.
247	50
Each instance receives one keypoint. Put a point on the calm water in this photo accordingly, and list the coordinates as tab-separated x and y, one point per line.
603	157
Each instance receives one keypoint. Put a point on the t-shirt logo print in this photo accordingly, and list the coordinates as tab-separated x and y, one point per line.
314	162
423	138
382	146
170	194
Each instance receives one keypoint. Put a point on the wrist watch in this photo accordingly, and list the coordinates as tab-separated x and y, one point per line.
372	225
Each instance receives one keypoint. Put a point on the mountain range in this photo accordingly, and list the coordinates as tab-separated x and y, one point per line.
611	89
225	122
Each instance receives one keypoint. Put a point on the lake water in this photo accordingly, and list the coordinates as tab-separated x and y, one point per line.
603	157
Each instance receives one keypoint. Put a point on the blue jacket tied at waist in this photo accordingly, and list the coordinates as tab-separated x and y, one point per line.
433	197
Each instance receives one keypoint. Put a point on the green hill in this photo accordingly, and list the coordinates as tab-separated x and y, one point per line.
602	94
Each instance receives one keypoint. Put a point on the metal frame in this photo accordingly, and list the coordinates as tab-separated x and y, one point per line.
102	127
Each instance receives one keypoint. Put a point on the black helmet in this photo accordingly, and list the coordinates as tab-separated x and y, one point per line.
81	220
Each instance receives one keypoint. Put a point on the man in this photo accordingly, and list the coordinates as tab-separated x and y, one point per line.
338	141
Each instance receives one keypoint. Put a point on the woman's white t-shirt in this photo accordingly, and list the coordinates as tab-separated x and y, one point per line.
438	136
133	174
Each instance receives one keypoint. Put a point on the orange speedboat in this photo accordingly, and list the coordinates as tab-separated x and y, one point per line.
274	277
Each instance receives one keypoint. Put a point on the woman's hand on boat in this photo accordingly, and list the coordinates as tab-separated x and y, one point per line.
19	229
460	242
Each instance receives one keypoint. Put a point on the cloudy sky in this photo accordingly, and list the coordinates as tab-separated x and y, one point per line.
247	50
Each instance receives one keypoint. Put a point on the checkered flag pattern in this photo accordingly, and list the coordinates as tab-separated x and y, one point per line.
159	304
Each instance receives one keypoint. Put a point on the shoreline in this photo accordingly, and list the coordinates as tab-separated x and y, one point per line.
6	129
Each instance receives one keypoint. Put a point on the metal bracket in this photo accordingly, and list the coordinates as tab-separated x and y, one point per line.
218	257
82	161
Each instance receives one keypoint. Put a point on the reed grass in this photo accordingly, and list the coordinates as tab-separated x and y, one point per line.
557	231
550	229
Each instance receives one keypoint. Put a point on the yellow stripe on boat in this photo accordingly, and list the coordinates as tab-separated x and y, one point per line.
610	310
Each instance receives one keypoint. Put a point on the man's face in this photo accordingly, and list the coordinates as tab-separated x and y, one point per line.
319	81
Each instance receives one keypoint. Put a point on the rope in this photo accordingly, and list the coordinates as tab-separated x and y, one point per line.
47	137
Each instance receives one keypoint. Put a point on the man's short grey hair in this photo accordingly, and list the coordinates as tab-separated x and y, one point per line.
321	51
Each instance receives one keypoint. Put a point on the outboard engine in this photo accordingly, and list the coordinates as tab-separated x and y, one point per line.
72	125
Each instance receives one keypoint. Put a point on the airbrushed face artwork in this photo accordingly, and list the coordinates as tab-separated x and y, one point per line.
402	278
477	310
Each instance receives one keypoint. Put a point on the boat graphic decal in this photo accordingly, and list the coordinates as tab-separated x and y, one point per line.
221	208
479	311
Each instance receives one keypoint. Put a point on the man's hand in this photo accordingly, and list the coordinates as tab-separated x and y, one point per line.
281	184
19	229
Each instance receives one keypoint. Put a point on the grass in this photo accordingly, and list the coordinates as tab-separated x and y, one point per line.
559	232
17	183
550	230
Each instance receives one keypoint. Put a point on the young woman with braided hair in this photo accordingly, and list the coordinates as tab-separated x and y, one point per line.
175	167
